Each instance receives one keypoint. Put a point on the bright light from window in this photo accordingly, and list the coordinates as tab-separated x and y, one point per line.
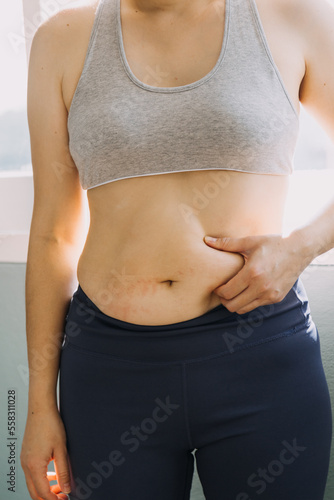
13	57
14	137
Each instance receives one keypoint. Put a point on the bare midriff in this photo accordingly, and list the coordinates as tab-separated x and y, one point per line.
145	261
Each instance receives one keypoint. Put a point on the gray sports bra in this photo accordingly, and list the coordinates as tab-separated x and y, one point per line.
237	117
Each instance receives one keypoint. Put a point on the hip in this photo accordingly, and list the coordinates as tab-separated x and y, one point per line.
217	332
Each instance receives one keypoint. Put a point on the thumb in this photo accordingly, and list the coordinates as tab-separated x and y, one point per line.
239	245
62	470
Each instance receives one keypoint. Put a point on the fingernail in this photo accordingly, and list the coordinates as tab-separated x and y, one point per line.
67	488
210	239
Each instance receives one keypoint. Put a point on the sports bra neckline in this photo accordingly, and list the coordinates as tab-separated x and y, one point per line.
237	117
180	88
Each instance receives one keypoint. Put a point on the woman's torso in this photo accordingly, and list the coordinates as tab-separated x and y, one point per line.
145	260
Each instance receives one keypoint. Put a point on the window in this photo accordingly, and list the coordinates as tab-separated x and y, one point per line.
19	19
311	186
14	136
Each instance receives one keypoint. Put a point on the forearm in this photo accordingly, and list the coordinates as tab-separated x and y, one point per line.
317	236
50	280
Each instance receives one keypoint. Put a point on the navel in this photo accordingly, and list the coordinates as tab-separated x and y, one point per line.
169	282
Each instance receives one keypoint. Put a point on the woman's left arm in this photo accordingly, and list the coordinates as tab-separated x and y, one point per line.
272	262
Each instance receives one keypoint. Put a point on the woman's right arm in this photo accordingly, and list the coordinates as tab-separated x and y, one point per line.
56	239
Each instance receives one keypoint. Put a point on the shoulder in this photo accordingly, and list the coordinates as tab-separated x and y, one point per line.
68	20
305	25
312	22
306	17
303	8
63	31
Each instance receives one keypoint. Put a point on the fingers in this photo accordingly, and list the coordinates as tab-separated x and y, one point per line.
242	307
250	307
38	485
56	489
62	469
31	488
238	303
239	245
234	287
44	440
42	486
239	293
52	476
249	298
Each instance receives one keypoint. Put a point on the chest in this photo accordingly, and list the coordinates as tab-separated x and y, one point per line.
173	52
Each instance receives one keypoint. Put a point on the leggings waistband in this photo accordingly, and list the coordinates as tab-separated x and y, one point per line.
215	332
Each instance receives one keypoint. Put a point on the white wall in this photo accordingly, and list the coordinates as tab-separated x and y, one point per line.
16	202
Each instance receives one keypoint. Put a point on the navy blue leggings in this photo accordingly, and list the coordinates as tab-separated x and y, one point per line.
244	395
